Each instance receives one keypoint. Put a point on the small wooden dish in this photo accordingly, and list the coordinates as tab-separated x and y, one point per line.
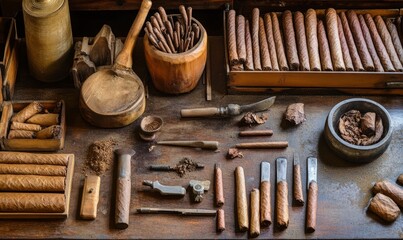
150	125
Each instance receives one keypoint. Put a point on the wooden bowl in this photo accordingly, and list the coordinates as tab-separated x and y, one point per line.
176	73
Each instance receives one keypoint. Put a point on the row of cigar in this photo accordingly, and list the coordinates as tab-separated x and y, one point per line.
303	42
170	35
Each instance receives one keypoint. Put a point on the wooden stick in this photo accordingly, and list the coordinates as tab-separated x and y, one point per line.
255	39
301	41
241	202
264	48
256	133
27	112
344	47
270	40
324	50
231	35
395	38
249	53
355	57
254	230
289	41
185	18
334	40
311	26
278	41
240	38
219	189
269	145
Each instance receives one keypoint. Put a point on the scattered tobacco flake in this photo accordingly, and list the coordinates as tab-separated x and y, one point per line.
234	153
100	156
295	113
250	119
186	165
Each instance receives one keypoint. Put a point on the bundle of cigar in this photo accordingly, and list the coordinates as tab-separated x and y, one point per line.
173	34
35	121
305	42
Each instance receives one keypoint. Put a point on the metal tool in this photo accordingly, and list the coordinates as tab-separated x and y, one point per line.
123	188
184	211
282	193
312	204
297	182
198	189
213	145
265	203
169	168
166	190
230	110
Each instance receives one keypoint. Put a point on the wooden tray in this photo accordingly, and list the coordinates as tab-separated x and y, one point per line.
350	82
65	214
29	144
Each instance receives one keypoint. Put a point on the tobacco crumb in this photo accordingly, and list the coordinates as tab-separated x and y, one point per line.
295	113
400	179
250	119
100	156
234	153
152	126
384	207
185	165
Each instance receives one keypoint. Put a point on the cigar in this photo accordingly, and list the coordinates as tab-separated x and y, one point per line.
33	169
163	14
32	202
240	38
256	133
196	30
49	132
355	57
254	230
301	41
25	126
152	38
184	15
27	112
264	48
219	189
255	39
160	22
231	34
46	119
384	207
21	134
176	40
387	40
297	182
155	24
31	183
289	40
278	41
169	41
360	41
192	39
370	45
344	47
249	53
311	26
395	38
324	50
379	46
270	40
334	40
220	220
169	28
161	38
241	203
391	190
149	27
33	158
279	144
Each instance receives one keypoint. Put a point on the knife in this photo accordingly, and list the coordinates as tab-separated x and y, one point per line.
265	205
282	194
297	183
230	110
312	204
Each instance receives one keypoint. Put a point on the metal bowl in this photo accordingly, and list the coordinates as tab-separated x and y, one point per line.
351	152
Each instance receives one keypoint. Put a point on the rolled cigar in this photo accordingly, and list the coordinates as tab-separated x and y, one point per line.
21	134
300	37
240	38
163	14
241	202
311	207
162	40
254	230
400	27
255	39
187	44
32	202
264	48
155	24
334	40
169	28
311	26
46	119
231	35
379	46
384	207
324	51
270	40
344	47
185	18
189	14
169	41
196	30
31	183
160	22
25	126
153	40
289	40
249	53
360	41
33	158
176	40
149	27
282	205
265	203
219	189
370	45
49	132
297	185
391	190
279	144
182	28
387	40
171	20
192	38
27	112
220	220
355	57
33	169
182	45
178	28
162	47
278	41
256	133
395	38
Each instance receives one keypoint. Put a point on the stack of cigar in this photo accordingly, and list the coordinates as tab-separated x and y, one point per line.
173	34
303	42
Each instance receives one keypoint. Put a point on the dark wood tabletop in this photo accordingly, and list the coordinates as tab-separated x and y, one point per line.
344	188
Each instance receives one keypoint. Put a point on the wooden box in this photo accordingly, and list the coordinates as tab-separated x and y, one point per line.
349	82
9	108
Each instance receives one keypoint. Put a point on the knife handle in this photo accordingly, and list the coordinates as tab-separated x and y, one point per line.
265	204
298	195
311	207
200	112
282	205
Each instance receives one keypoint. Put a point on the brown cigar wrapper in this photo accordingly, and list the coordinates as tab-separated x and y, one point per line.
49	132
278	41
391	190
384	207
31	183
32	202
219	189
311	208
21	134
355	57
348	62
25	126
265	204
270	41
297	186
282	205
254	230
264	48
334	40
395	38
30	110
255	39
31	169
220	220
47	119
324	49
231	34
311	26
289	41
301	41
33	158
240	38
249	52
241	202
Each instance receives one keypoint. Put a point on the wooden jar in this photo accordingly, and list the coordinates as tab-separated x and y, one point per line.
49	38
176	73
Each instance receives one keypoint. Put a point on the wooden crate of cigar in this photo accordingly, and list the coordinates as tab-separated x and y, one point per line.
32	125
34	185
354	51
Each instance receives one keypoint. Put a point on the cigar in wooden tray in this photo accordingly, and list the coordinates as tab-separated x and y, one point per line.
231	35
249	52
334	40
348	62
32	202
31	183
300	36
44	119
278	41
311	26
27	112
255	39
289	41
270	40
33	169
240	38
324	49
264	48
395	38
33	158
53	131
21	134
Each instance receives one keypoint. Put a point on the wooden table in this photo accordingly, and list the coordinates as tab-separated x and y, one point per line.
344	188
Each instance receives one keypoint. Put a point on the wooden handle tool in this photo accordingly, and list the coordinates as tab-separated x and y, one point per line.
241	202
265	198
90	198
282	219
312	204
297	182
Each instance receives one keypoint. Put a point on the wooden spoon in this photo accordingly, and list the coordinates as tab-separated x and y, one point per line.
115	97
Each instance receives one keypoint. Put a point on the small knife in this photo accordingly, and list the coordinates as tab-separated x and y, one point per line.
230	110
297	183
265	199
282	193
312	204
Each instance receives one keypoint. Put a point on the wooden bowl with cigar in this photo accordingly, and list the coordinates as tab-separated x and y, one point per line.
175	49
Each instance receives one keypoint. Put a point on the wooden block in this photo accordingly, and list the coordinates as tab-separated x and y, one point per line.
90	198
